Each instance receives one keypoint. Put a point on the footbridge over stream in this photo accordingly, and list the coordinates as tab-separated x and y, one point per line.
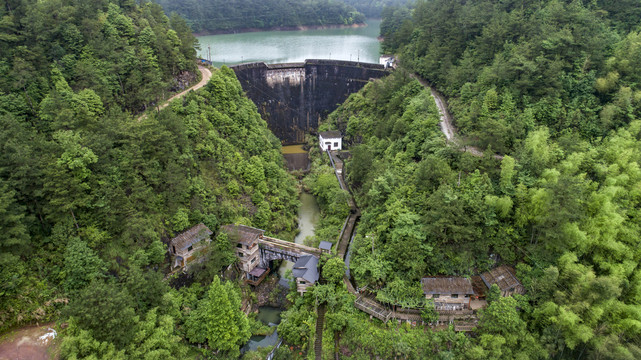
276	249
255	251
293	97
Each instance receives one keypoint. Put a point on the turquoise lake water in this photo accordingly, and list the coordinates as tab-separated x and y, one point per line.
294	46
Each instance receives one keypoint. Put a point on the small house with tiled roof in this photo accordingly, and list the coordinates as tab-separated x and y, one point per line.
247	250
325	246
184	246
330	140
305	271
449	293
504	277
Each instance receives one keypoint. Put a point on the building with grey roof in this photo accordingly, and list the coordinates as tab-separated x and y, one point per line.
305	271
330	140
325	246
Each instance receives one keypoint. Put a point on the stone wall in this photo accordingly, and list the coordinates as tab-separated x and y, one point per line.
293	97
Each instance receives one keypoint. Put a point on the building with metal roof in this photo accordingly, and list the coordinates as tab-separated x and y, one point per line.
504	277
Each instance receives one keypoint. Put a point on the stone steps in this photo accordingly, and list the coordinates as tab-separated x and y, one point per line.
320	325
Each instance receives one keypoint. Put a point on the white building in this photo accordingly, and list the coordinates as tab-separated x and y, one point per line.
388	61
330	140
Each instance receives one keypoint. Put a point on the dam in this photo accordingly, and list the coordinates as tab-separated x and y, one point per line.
294	97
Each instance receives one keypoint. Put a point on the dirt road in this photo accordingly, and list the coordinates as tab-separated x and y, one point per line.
31	342
206	75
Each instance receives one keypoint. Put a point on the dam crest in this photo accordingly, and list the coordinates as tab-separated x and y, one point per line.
294	97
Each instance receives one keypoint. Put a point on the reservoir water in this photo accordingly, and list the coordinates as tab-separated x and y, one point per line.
294	46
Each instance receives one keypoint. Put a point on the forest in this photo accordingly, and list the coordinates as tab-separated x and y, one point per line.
90	189
550	92
375	8
217	16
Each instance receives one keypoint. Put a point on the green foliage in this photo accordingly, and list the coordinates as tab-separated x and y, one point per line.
296	326
222	16
375	8
82	265
429	313
153	338
106	311
334	270
218	320
493	294
564	207
332	200
519	66
505	335
90	192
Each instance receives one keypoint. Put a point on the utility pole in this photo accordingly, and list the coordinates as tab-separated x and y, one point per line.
359	56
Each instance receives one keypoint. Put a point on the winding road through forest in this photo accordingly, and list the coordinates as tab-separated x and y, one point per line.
206	75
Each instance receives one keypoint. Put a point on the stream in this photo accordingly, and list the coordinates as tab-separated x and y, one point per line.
308	217
268	316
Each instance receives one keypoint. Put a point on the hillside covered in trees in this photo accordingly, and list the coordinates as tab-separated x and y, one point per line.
374	8
218	16
552	87
90	191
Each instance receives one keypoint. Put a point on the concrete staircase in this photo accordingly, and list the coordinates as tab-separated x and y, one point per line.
320	324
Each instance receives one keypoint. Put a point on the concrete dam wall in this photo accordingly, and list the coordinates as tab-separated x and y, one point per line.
293	97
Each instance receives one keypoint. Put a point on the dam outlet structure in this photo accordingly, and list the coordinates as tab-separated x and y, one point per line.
294	97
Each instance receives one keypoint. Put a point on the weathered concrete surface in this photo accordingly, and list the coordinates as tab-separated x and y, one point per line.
293	97
297	161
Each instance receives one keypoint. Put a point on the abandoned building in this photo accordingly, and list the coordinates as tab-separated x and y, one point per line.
449	293
247	251
305	271
184	247
504	277
330	140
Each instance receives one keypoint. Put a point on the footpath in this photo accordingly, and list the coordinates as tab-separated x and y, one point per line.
446	124
463	320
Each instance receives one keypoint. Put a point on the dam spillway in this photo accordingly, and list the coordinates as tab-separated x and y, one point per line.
294	97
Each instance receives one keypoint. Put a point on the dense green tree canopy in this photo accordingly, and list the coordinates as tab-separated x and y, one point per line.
228	16
91	192
551	86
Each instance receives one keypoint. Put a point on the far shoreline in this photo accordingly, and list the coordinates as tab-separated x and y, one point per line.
281	28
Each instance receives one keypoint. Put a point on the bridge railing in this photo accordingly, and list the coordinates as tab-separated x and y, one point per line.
286	245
